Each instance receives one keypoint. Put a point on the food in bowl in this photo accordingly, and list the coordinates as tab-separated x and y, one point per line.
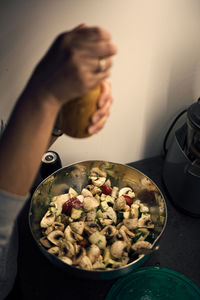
103	227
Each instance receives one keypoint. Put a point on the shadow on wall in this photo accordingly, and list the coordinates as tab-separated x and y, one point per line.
180	94
173	80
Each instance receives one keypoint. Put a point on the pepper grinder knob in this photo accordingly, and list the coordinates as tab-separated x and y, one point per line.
51	162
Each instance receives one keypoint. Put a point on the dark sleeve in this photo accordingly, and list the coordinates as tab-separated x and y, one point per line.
10	206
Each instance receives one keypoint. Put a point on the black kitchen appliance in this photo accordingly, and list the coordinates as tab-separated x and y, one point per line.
181	172
50	163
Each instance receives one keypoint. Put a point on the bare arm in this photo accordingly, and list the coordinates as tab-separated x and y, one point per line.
67	71
20	153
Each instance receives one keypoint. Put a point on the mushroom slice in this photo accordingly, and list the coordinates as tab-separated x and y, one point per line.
90	203
72	236
58	226
48	230
54	250
69	234
93	253
119	237
109	231
127	231
86	193
100	258
45	242
98	265
119	225
66	249
141	246
77	227
85	263
58	201
78	237
48	219
123	261
127	191
125	238
144	232
76	248
98	181
105	222
120	203
97	172
94	190
117	249
111	214
145	221
55	236
107	257
79	253
66	260
131	224
91	227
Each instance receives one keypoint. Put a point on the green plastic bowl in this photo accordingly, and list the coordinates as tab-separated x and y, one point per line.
154	283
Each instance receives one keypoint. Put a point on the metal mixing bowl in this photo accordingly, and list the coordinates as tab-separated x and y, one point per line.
76	175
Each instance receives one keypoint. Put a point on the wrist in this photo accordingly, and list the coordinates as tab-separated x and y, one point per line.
41	100
44	102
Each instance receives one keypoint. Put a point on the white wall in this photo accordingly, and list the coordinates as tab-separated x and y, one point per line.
156	72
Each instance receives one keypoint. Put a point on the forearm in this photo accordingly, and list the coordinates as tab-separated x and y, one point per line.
24	141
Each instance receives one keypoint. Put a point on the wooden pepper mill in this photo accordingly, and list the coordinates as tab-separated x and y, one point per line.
75	116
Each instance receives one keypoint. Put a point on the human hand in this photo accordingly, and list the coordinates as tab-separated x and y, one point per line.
71	66
104	103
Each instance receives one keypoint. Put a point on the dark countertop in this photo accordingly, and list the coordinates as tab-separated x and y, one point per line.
179	250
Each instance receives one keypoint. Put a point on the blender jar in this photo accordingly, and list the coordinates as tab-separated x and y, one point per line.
193	132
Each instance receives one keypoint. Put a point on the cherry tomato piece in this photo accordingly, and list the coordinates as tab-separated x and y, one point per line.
106	189
128	199
83	243
69	204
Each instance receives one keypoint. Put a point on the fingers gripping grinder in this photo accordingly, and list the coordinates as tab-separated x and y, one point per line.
181	173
